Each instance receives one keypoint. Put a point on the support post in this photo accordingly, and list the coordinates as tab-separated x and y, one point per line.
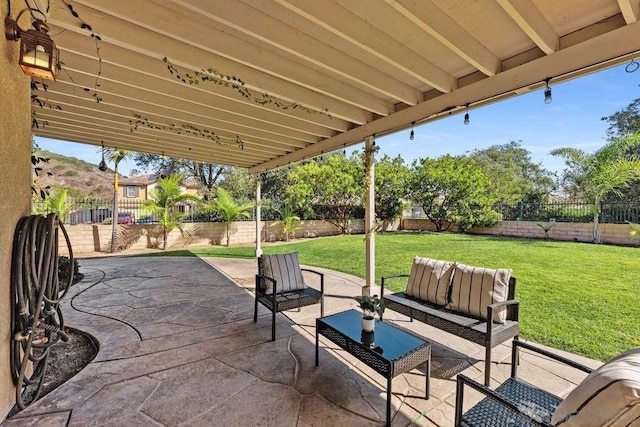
258	216
370	215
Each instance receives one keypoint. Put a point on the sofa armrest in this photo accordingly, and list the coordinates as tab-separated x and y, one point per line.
261	286
463	380
386	278
516	344
513	308
319	274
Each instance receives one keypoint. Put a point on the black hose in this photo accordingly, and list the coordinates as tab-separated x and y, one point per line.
36	322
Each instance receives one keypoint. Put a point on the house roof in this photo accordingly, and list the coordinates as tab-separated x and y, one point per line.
316	75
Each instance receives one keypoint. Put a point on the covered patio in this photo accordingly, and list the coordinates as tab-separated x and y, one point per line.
178	346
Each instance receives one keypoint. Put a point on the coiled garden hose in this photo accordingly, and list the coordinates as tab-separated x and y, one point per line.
36	321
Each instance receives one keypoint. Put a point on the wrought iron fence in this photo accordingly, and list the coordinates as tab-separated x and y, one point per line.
610	213
99	211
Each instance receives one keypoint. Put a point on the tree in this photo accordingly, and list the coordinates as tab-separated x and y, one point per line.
240	185
391	182
56	202
224	205
452	190
207	175
514	177
163	199
288	222
116	156
624	121
594	176
335	183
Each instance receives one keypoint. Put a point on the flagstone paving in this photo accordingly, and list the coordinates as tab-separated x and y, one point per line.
178	347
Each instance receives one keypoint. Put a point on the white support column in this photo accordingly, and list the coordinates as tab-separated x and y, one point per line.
370	215
258	217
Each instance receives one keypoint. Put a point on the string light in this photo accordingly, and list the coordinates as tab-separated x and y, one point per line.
412	135
103	165
547	92
466	115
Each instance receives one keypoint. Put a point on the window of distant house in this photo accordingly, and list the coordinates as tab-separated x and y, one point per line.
131	191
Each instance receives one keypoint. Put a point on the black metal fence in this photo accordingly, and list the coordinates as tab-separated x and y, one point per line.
99	211
610	213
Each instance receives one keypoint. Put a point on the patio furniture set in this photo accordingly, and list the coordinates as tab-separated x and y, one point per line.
473	303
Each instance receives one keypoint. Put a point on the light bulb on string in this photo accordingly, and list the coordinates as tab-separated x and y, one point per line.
466	115
547	92
412	135
103	165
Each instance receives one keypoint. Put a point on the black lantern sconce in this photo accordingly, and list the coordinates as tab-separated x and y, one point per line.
39	56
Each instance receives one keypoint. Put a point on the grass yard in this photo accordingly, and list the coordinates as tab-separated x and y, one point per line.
577	297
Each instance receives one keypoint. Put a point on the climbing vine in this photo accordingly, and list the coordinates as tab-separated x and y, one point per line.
184	129
37	123
215	77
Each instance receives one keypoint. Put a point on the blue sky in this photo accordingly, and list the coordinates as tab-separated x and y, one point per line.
571	120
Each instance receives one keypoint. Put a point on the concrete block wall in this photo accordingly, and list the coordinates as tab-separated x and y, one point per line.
617	234
97	238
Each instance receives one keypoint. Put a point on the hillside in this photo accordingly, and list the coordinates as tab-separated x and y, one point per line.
81	178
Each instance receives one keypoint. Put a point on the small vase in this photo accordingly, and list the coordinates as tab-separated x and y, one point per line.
367	338
368	323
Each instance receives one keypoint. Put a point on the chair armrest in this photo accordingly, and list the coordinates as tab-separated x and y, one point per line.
259	280
514	357
319	274
463	380
515	304
389	277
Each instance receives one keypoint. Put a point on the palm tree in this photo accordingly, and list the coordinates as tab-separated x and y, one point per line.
116	156
608	170
162	200
228	209
288	221
57	203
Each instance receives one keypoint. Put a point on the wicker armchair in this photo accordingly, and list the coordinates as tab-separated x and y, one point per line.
514	402
280	286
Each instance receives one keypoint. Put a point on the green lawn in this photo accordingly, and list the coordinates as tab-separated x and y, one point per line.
578	297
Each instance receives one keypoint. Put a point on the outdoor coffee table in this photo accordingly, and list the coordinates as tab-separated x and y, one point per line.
394	350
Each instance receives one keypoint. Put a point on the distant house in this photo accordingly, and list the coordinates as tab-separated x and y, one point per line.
136	187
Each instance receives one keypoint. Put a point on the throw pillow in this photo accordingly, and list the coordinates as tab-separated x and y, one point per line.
429	280
285	269
609	396
474	288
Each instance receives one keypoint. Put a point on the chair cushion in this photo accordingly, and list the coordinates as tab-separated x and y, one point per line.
474	288
430	280
610	395
285	270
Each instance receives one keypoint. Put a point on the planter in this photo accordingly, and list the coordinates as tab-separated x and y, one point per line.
368	323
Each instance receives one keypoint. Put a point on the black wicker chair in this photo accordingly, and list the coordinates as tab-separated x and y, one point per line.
514	402
282	298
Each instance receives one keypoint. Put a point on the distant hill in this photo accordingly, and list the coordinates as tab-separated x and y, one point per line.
81	178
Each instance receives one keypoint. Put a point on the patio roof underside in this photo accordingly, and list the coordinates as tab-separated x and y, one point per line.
365	67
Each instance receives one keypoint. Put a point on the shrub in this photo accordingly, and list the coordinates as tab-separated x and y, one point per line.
65	269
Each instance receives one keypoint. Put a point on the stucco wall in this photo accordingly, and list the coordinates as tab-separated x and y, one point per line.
15	183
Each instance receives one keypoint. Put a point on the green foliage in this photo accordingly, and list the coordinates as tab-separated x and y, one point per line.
162	200
514	177
391	186
453	190
240	185
65	270
624	121
371	305
228	209
36	162
56	202
288	222
593	176
335	182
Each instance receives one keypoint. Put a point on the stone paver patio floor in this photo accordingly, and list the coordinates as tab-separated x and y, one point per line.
178	347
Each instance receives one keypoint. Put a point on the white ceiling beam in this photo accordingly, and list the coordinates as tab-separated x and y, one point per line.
533	23
144	41
630	10
224	44
617	44
270	29
371	40
443	28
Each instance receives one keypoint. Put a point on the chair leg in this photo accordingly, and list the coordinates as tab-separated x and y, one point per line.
255	311
273	325
487	366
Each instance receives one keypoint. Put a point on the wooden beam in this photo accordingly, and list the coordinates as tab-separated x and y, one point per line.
630	10
533	23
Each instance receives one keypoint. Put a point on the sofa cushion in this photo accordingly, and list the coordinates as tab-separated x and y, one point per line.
285	269
474	288
430	280
609	396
